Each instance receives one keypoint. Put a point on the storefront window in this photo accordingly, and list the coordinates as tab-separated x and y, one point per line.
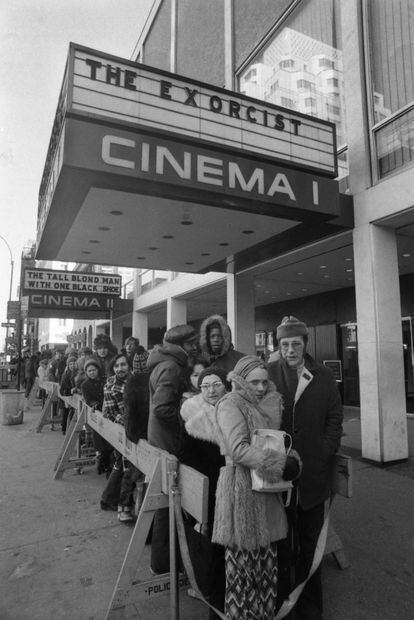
391	41
301	66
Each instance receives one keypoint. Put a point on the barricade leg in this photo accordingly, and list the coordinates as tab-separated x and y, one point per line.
66	461
153	500
46	414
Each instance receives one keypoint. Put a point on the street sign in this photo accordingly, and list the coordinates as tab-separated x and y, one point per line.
13	310
8	324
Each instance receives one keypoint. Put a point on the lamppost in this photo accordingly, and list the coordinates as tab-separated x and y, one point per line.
11	286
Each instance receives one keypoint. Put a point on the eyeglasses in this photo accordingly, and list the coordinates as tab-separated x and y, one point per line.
216	385
295	344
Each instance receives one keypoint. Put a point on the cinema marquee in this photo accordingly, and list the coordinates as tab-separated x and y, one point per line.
136	151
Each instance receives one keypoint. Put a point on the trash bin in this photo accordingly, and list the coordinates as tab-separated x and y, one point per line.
11	406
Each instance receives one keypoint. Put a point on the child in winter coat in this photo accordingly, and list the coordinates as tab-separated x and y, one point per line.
67	388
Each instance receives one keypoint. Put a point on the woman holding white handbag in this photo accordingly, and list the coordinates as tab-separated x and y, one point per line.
249	523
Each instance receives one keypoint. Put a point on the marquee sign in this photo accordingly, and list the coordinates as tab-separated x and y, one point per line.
138	155
68	282
116	89
69	292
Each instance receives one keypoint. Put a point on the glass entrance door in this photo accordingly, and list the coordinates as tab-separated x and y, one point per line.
349	342
407	337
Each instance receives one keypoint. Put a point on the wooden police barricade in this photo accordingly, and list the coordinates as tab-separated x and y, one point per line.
72	443
46	416
166	476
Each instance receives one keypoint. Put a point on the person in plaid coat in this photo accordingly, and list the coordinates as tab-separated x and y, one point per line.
118	492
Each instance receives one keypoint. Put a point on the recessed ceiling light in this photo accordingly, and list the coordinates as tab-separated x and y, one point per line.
94	241
326	276
322	266
348	258
304	290
224	244
205	254
406	255
288	293
168	236
300	273
349	270
247	232
85	252
153	247
267	292
259	285
103	228
187	223
189	263
141	257
116	212
350	279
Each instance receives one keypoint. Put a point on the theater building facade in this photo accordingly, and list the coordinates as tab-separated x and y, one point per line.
254	159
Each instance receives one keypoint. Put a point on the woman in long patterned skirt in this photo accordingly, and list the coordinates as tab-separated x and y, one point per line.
249	523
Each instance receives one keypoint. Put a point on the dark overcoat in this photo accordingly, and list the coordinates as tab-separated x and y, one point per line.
315	426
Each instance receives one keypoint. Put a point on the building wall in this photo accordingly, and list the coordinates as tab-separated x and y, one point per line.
251	22
158	41
200	50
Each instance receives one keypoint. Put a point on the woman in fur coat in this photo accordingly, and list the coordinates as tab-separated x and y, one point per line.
200	450
249	523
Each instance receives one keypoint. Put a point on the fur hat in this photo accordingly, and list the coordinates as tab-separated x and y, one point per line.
290	327
180	334
91	361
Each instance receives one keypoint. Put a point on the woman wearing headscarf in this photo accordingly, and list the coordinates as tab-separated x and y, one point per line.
249	523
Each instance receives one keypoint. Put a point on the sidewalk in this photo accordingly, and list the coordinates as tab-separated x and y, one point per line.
60	554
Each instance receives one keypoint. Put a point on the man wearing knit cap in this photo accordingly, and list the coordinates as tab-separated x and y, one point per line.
167	365
312	415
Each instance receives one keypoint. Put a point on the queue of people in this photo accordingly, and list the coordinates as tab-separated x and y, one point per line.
200	399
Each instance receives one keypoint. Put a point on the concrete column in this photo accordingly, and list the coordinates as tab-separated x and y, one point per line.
140	327
176	312
380	350
241	312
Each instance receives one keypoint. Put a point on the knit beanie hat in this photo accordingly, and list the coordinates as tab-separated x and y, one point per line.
92	362
180	334
71	358
245	365
290	327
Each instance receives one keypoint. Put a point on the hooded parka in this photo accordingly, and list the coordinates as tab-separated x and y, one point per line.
228	356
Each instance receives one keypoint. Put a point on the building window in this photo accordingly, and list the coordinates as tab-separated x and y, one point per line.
390	28
287	103
298	56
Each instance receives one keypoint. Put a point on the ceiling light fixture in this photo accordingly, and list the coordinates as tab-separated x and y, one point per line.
168	236
85	252
103	228
94	241
247	232
322	267
406	255
300	273
224	244
116	212
349	270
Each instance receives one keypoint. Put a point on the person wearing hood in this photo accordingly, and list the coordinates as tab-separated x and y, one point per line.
167	365
248	523
215	343
137	355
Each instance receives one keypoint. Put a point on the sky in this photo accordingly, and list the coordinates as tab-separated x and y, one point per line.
34	43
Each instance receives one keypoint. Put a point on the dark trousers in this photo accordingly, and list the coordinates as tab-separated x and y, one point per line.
28	386
160	544
309	525
112	490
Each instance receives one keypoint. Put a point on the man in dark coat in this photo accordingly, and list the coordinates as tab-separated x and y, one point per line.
215	343
313	416
167	365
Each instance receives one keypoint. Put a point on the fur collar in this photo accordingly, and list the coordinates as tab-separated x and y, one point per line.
225	332
198	416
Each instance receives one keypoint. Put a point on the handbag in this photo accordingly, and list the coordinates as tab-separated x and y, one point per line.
270	438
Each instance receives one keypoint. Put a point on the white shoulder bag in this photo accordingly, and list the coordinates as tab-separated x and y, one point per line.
269	438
